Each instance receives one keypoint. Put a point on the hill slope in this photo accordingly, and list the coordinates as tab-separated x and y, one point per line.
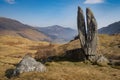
108	45
113	28
12	49
58	33
15	28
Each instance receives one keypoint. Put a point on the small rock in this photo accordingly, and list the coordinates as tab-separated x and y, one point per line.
102	61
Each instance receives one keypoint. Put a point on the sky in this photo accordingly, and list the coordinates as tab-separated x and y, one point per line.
42	13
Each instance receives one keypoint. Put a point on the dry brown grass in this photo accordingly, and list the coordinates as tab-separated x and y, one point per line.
12	49
107	45
66	71
10	45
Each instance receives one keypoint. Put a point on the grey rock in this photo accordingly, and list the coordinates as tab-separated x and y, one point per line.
99	59
28	64
91	33
102	61
81	28
88	36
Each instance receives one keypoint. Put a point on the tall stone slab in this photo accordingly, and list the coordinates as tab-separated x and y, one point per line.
81	27
88	36
91	34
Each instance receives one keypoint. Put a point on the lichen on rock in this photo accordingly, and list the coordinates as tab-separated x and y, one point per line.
28	64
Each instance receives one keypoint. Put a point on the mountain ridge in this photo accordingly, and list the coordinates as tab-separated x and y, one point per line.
55	33
113	28
15	28
59	33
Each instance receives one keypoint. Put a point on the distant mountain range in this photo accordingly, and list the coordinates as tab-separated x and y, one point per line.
58	33
54	33
113	28
16	28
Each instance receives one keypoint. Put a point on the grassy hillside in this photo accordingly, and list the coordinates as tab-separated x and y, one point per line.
12	49
109	45
66	71
17	47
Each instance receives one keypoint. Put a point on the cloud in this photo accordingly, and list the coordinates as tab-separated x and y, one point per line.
93	1
10	1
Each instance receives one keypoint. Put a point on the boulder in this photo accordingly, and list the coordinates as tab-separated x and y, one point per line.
28	64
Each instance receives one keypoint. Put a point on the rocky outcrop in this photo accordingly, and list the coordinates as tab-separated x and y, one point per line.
88	36
28	64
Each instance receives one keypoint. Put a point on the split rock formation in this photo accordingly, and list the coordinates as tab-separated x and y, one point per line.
88	37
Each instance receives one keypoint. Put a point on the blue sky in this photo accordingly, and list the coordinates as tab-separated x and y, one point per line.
59	12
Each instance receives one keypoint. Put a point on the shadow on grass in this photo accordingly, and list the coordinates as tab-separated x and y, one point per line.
115	64
9	73
75	55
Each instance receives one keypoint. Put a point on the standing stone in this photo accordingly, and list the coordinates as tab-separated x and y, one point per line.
81	27
91	34
88	36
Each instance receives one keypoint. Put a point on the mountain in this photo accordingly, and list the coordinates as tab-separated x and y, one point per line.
16	28
58	33
113	28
